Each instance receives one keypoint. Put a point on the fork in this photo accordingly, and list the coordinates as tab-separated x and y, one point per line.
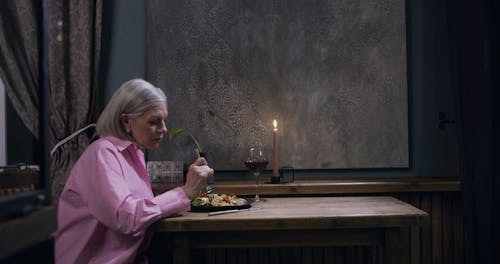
208	189
210	192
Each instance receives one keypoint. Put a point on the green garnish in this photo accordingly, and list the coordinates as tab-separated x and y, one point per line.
196	202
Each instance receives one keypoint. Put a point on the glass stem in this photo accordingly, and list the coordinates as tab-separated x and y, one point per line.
257	196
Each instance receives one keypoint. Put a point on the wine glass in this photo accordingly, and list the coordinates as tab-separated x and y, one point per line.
256	162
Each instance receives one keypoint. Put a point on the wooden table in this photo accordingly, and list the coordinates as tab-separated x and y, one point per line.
297	222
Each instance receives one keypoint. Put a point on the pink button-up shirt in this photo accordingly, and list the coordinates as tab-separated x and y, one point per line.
107	205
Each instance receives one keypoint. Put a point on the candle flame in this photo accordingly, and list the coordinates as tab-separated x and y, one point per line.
275	124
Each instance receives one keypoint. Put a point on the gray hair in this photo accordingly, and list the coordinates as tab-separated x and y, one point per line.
134	97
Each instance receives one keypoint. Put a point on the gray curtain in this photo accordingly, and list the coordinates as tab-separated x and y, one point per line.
74	66
19	58
74	57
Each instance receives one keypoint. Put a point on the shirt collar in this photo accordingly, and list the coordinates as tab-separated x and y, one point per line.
121	144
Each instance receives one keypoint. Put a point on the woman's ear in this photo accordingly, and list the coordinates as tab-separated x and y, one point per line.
125	122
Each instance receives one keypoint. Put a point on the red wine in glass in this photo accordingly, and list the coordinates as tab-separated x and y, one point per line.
256	162
256	167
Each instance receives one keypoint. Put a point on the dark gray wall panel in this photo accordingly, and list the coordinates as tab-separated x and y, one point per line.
333	73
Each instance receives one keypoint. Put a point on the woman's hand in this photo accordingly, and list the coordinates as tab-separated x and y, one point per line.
196	178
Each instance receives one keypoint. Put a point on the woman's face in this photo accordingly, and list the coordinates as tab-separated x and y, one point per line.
148	129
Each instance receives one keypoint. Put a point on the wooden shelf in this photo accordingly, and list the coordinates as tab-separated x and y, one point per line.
358	186
336	186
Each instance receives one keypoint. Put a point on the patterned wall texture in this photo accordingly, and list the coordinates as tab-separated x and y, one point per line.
331	72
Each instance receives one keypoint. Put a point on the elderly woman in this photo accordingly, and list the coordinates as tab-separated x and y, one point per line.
107	203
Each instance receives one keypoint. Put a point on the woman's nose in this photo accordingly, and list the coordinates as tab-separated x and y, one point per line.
162	128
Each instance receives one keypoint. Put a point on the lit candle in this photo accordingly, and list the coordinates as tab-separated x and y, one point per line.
275	148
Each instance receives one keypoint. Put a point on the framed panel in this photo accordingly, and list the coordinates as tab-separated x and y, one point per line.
331	72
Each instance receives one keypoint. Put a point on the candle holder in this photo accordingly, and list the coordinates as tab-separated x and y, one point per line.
280	179
276	179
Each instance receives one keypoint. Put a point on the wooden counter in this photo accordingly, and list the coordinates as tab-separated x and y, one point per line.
334	186
297	222
339	186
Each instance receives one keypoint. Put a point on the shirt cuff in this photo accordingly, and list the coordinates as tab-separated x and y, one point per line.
173	201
